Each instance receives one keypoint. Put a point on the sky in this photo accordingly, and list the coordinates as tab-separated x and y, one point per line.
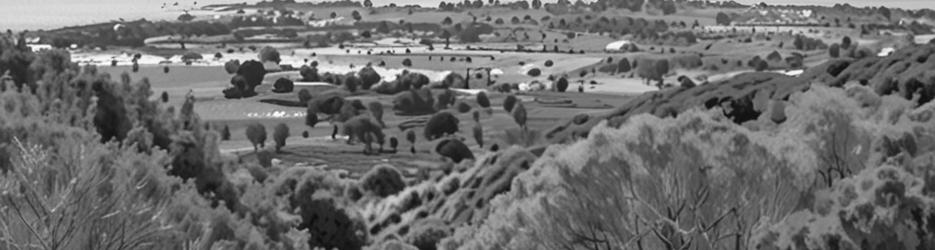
47	14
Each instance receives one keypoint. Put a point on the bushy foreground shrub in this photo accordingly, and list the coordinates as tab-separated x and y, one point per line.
842	171
382	181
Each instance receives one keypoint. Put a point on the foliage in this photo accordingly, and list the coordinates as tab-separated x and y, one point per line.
283	85
519	114
561	84
454	80
407	62
382	181
368	77
280	133
454	149
309	74
439	125
269	54
482	100
256	133
534	72
509	102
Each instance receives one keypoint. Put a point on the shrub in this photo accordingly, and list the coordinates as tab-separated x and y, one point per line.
454	149
534	72
411	137
264	157
283	85
623	65
509	102
834	51
164	97
376	109
382	181
256	133
482	100
311	116
454	80
305	134
304	96
225	133
519	114
478	133
549	63
561	85
269	54
407	62
439	125
414	102
368	77
253	73
351	82
280	133
464	107
309	74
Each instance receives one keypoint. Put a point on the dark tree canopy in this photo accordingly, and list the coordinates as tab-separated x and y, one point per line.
441	124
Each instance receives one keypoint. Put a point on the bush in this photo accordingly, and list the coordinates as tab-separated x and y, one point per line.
256	133
283	85
309	74
280	133
311	115
482	100
561	85
164	97
534	72
368	77
519	114
414	102
351	82
464	107
478	133
454	80
304	96
441	124
376	109
454	149
382	181
623	65
509	102
834	51
549	63
253	73
225	133
407	62
269	54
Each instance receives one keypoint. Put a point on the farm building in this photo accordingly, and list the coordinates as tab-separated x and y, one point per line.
621	46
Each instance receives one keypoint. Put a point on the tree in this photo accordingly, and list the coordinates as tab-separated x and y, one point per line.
549	63
356	15
368	4
561	85
478	133
164	97
382	181
623	65
407	62
383	27
509	102
283	85
411	137
447	36
269	54
454	149
519	115
376	109
885	12
368	77
309	74
280	133
439	125
446	21
482	100
536	4
722	19
846	42
834	51
534	72
351	82
253	73
761	65
333	15
225	133
311	115
668	7
256	133
232	66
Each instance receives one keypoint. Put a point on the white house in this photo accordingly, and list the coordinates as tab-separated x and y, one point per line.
620	46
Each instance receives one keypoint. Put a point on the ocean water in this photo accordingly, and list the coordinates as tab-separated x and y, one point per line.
50	14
